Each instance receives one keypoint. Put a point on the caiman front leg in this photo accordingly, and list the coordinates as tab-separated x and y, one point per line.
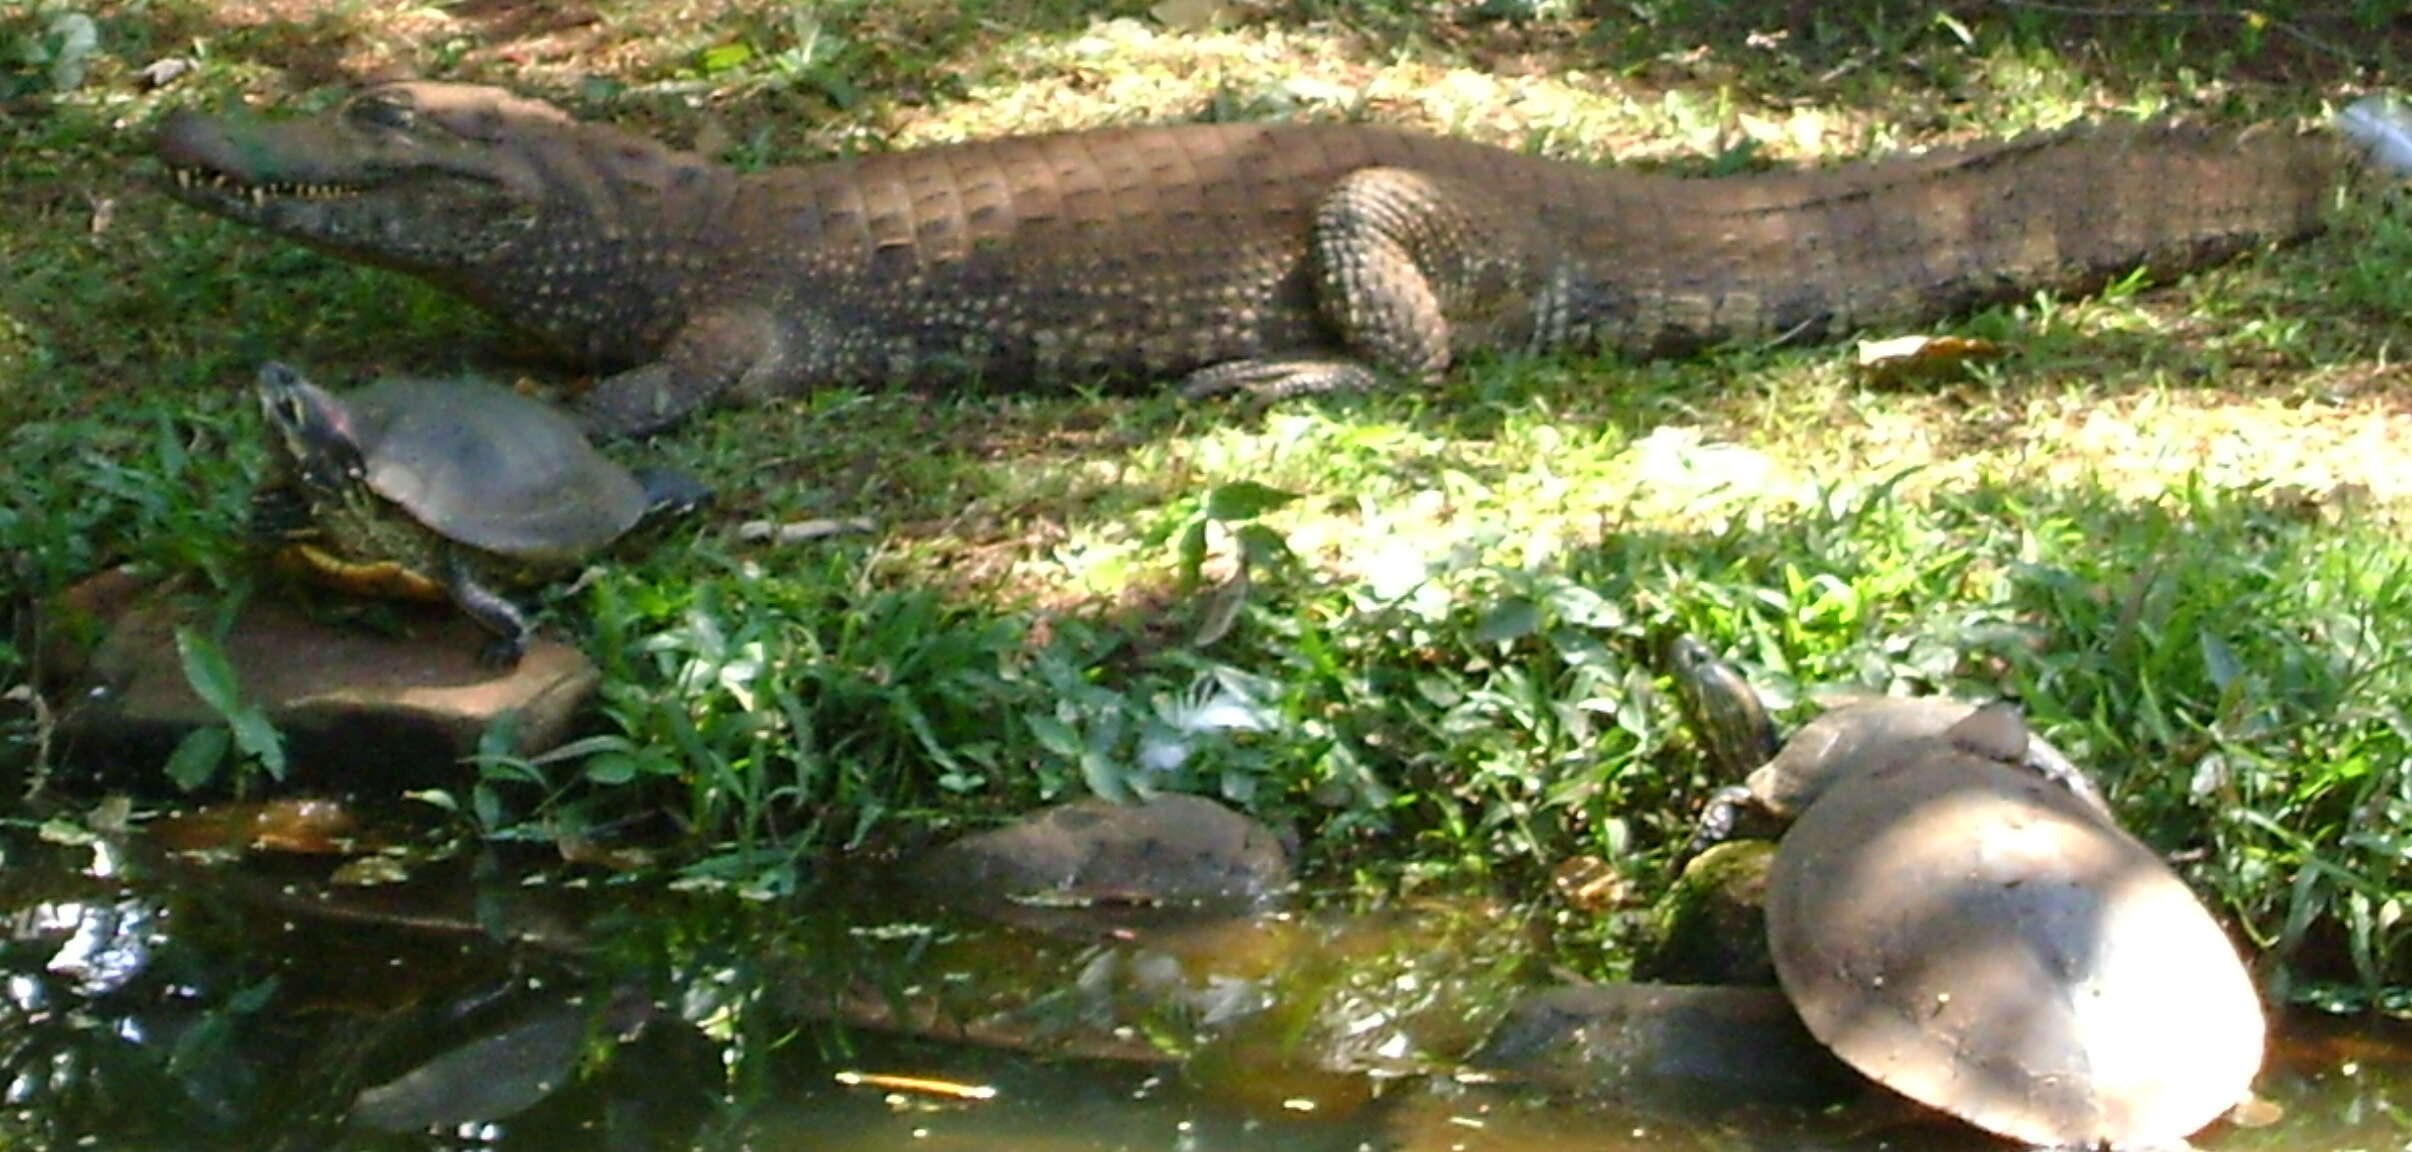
1391	251
747	348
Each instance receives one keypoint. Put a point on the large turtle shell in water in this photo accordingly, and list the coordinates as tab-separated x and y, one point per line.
490	468
1981	940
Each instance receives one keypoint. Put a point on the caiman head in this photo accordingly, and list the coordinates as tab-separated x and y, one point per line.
419	176
504	199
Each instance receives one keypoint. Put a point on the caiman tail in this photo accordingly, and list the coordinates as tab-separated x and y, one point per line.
1820	253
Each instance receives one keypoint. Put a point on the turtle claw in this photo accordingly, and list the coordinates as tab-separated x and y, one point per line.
511	627
1717	819
503	653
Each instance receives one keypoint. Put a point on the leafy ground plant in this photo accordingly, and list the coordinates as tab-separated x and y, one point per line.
1419	626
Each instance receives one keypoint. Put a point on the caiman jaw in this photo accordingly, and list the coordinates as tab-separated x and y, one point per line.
398	176
195	183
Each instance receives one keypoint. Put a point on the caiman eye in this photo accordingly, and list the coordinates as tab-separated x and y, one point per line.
383	112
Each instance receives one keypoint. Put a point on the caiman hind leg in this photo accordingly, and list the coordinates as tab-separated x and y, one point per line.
749	349
1391	250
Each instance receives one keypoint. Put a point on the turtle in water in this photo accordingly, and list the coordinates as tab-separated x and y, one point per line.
1960	917
444	489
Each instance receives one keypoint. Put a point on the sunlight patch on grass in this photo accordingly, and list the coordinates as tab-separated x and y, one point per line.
1381	497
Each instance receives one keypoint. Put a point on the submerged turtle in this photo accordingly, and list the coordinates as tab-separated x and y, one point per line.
1957	915
440	489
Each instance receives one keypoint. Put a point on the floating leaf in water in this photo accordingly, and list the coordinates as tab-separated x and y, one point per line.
918	1085
370	871
302	825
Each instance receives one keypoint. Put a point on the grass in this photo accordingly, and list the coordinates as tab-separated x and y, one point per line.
2170	523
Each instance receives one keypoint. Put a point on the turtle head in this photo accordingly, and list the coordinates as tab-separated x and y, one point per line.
311	428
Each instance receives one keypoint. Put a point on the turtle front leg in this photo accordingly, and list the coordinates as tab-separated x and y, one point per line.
280	514
1717	819
492	610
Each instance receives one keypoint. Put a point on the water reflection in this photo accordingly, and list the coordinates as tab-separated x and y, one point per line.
160	1003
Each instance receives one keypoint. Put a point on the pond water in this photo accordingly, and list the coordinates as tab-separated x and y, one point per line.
156	1002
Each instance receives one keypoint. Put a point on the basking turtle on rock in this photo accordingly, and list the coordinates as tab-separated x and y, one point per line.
444	489
1956	913
1779	781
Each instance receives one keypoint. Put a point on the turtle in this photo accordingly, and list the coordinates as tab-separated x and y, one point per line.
1739	738
443	488
1955	911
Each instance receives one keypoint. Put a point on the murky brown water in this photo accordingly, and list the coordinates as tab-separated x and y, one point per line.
156	1003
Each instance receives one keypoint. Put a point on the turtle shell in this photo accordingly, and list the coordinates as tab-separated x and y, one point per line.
490	468
1984	941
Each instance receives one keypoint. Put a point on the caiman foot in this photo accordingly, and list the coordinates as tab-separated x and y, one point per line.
1275	379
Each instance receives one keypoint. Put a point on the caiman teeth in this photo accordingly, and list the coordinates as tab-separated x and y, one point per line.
260	193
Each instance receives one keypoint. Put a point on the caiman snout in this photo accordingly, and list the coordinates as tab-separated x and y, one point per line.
187	139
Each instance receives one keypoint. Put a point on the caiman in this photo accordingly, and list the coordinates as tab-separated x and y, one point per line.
1278	258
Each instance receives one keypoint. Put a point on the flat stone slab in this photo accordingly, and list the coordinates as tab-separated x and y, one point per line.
1668	1045
359	708
1171	852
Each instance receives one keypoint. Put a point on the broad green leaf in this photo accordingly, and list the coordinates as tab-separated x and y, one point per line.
197	757
1192	552
208	671
612	768
486	806
722	57
434	797
258	739
1222	609
1054	735
1261	546
2220	662
501	736
1105	777
1511	619
1244	500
